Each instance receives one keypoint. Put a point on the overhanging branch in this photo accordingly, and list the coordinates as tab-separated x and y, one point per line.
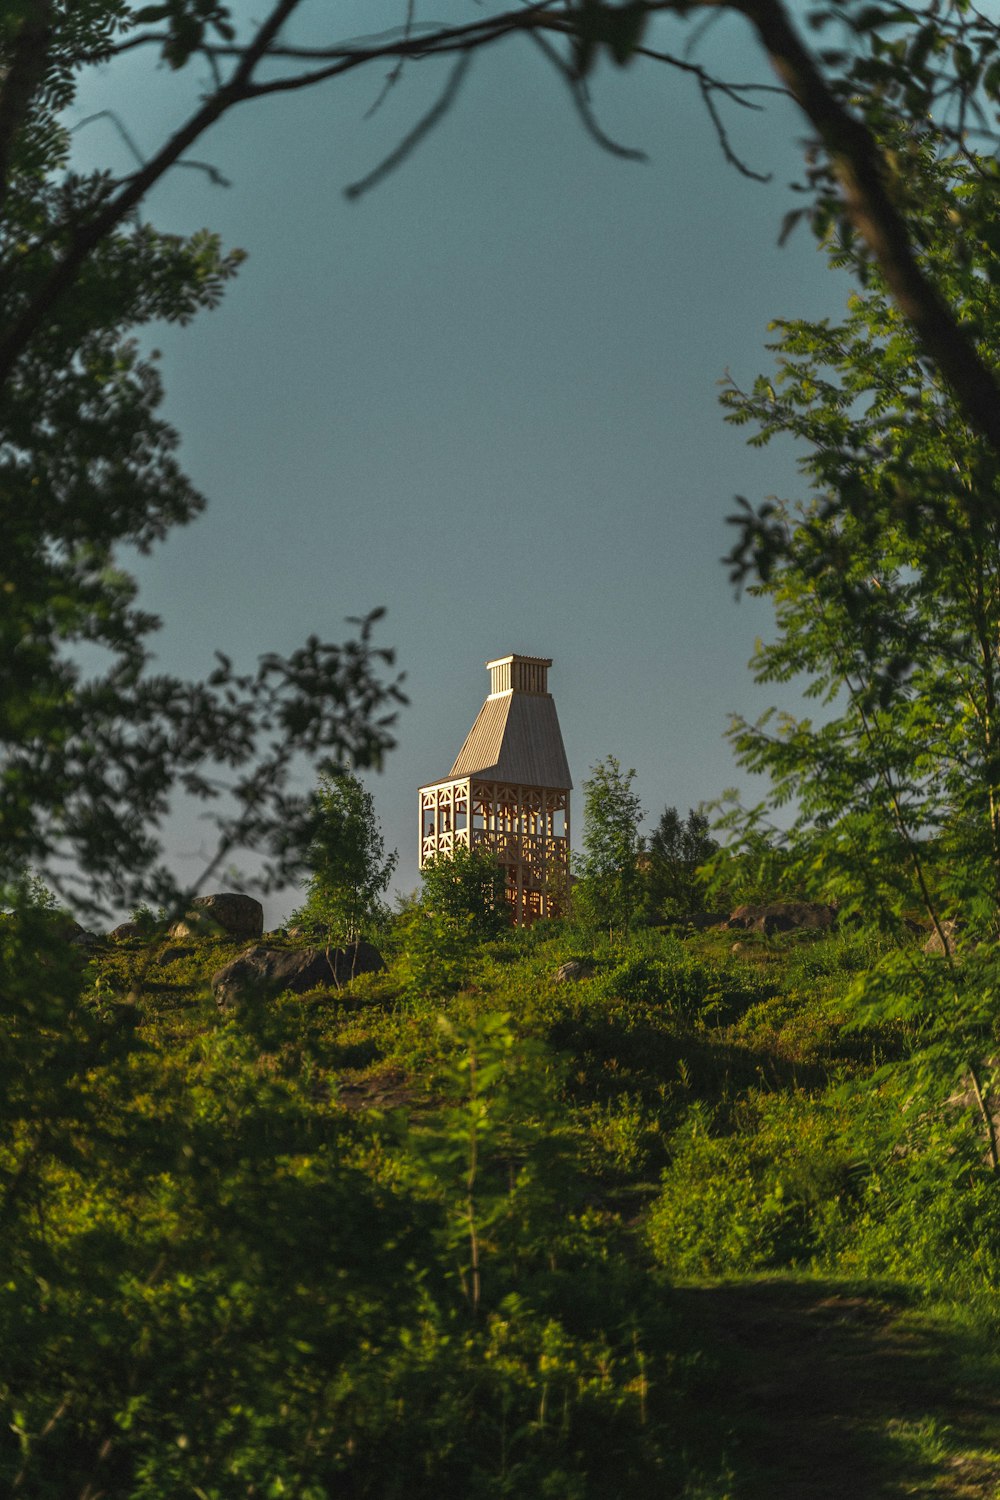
856	159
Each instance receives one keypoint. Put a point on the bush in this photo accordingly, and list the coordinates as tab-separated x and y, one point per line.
689	989
776	1193
438	951
467	886
679	984
932	1218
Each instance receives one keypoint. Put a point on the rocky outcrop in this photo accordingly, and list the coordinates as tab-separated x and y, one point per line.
263	972
783	916
239	916
86	942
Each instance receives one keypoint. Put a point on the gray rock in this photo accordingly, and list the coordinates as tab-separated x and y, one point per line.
950	929
271	971
239	916
572	969
126	931
783	916
87	942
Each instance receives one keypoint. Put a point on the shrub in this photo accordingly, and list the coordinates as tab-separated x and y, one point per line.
438	949
468	886
679	984
773	1194
932	1217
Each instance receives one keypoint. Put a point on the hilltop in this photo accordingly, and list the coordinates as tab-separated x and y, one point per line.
469	1226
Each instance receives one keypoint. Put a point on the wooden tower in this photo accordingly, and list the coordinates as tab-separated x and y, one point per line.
509	791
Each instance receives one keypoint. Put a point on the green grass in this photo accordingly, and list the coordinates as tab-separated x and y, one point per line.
717	1250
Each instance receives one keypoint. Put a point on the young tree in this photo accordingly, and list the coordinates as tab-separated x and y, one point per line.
894	788
350	868
468	886
677	846
895	625
609	889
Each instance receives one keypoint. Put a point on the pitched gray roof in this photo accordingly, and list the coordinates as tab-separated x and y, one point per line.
516	738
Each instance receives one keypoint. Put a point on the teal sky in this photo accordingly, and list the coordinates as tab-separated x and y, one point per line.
485	396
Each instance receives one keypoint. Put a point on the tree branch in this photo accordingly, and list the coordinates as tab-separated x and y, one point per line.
88	236
863	174
413	137
855	157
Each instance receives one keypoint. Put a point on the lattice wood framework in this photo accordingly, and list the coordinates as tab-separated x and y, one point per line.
509	791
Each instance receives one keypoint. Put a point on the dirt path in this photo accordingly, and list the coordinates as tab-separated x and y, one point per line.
805	1390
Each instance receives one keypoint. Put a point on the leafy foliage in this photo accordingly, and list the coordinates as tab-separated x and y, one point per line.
608	891
350	868
306	1242
131	1173
339	1244
767	1196
894	786
674	892
94	746
438	956
467	886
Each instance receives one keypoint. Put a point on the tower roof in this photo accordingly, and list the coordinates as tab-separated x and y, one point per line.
516	736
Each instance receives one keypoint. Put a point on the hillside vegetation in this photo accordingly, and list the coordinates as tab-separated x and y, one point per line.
682	1225
541	1214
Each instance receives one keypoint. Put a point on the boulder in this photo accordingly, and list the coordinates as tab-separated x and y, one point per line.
950	929
87	942
126	931
265	972
783	916
573	969
239	916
